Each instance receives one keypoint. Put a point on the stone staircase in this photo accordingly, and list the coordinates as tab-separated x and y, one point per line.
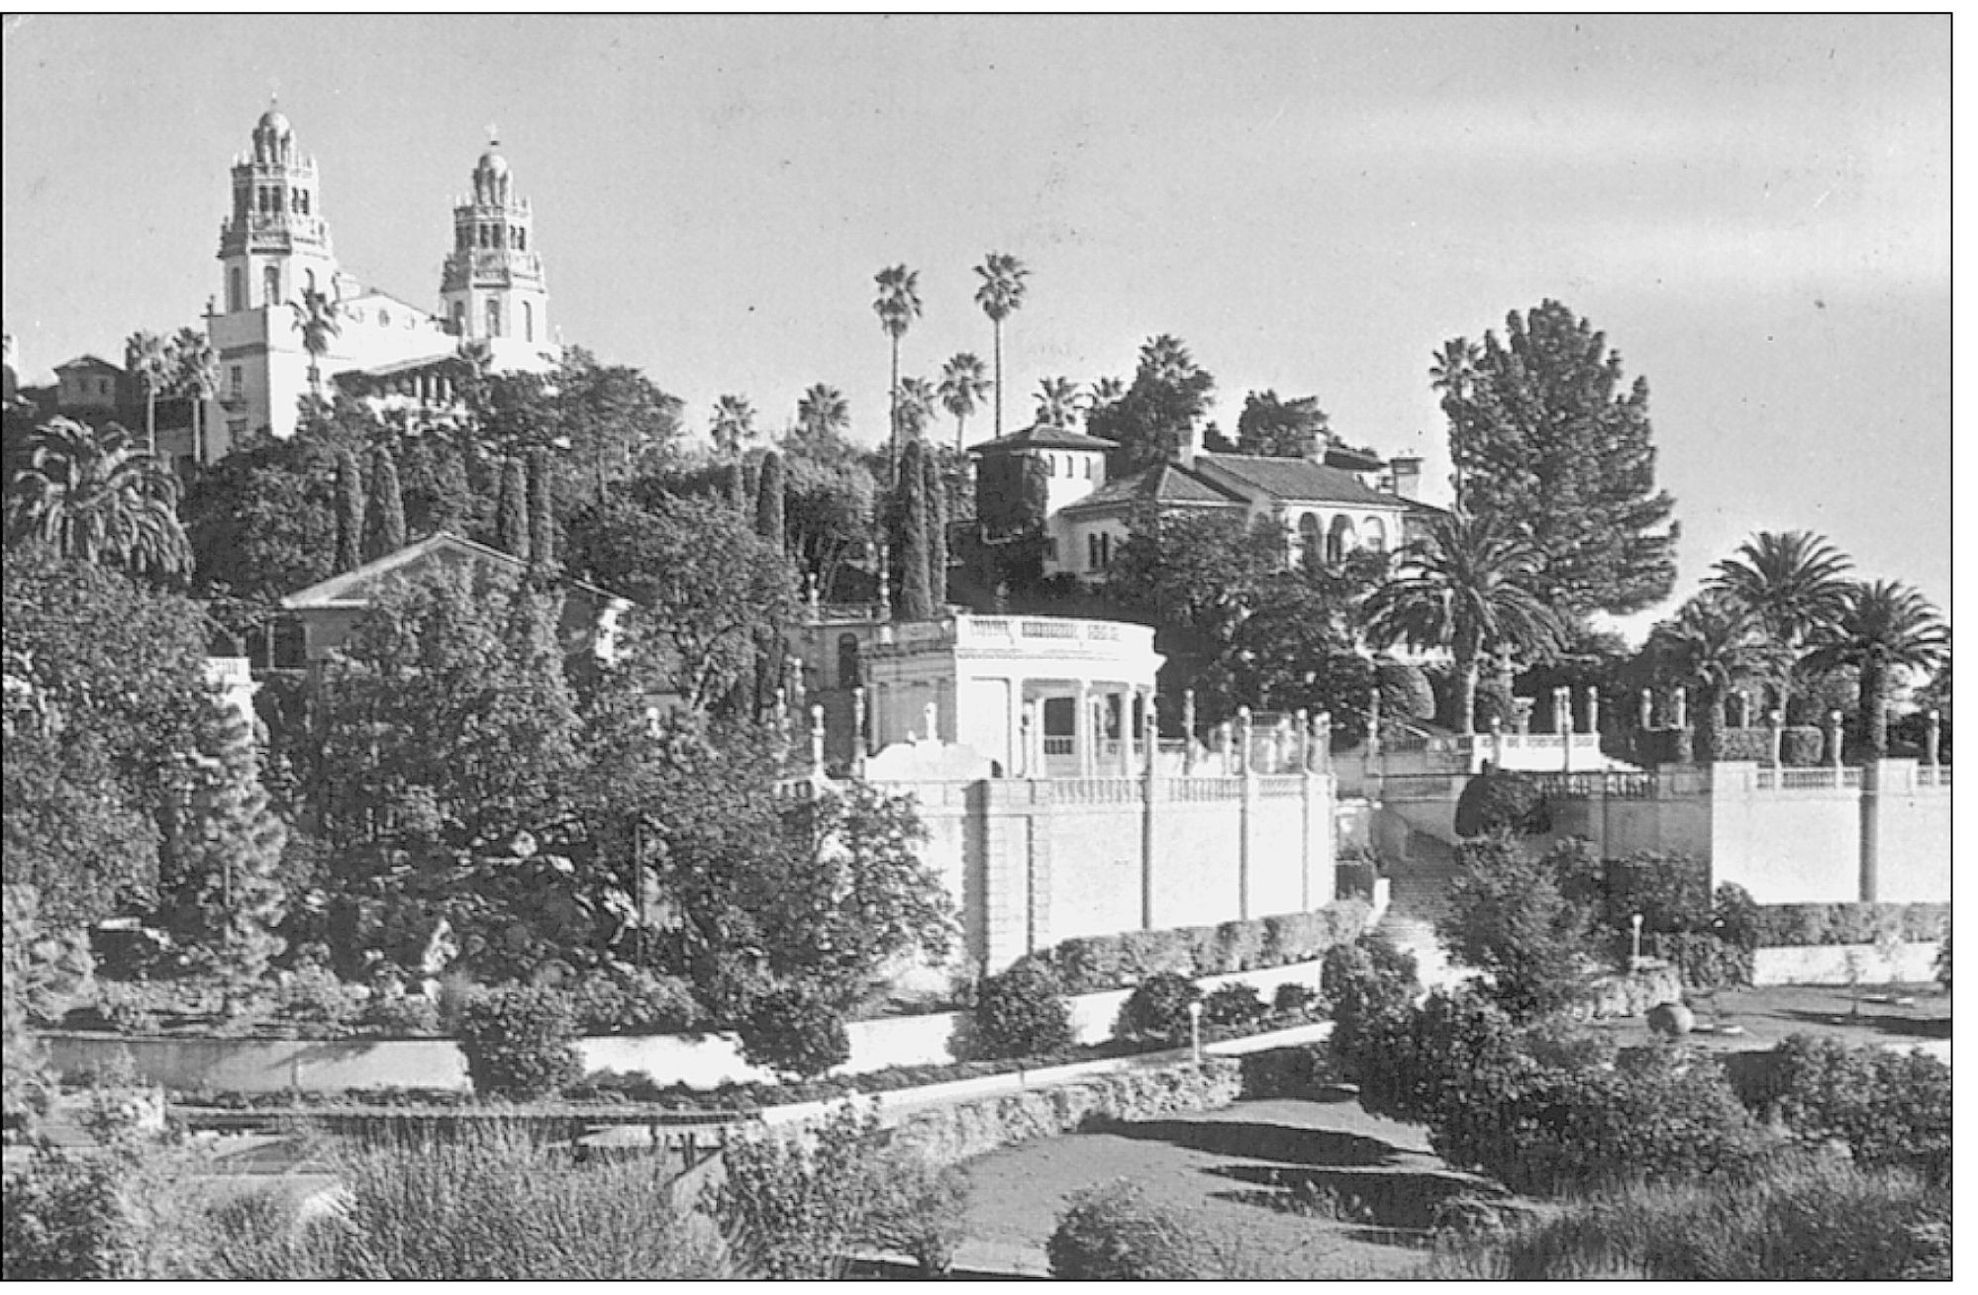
1418	896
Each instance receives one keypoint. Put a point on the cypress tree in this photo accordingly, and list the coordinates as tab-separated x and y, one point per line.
916	598
511	511
453	494
542	516
384	528
937	530
350	511
769	500
735	487
751	500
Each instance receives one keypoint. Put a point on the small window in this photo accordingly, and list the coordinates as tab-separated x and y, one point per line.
1092	552
1088	467
236	290
521	240
235	379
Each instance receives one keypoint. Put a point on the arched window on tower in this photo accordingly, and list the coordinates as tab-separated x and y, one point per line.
303	196
528	321
271	285
521	239
460	319
848	661
236	289
494	318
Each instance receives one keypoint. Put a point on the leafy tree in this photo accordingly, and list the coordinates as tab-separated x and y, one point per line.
1000	294
733	425
105	687
1470	586
604	423
512	511
437	493
220	892
1544	435
1158	414
1509	916
1794	584
384	528
828	509
94	496
897	305
1288	429
769	501
1057	401
1021	1012
1708	646
707	584
1884	630
964	382
350	511
916	597
261	523
935	491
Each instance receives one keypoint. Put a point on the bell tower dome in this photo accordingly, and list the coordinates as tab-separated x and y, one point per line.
492	287
275	246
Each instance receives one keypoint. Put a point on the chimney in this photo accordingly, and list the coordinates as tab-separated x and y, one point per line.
1185	452
1407	477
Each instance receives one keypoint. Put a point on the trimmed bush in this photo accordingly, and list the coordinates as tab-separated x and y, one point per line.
520	1043
1295	999
1705	961
1303	1072
1655	746
1157	1009
1501	800
1234	1004
1753	744
1100	963
1020	1013
1115	1233
1800	925
794	1031
638	1002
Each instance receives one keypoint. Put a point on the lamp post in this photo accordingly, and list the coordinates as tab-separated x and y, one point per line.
1635	921
1195	1028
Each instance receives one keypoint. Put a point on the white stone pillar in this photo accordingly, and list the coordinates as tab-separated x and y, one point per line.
1225	747
858	729
1777	724
1373	722
1679	701
1645	715
1562	724
1188	731
1150	730
1303	742
1125	700
817	741
1082	742
1834	738
1593	713
1031	748
1245	735
1497	740
931	715
1322	737
1932	736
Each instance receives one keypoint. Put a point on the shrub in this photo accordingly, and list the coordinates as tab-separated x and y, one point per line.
795	1209
1115	1233
1021	1012
1892	1109
794	1031
1944	962
1753	744
406	1014
1303	1072
918	1209
64	1220
1098	963
1295	999
1802	744
1509	916
1355	878
1369	988
1501	800
1705	961
1671	892
1656	746
520	1043
633	1002
1234	1004
317	1003
1157	1009
1796	925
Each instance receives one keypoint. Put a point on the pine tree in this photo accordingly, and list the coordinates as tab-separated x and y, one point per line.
936	492
384	527
916	598
769	500
220	891
350	511
511	511
542	514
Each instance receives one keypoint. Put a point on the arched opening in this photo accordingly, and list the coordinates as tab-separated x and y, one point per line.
494	318
1374	538
848	661
236	289
1339	539
1311	547
459	319
528	321
271	283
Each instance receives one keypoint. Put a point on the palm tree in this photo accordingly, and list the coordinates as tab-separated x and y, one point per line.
196	374
1451	373
734	423
1794	584
822	413
897	305
1105	391
1883	629
1057	401
963	383
148	357
95	496
1710	645
1467	585
316	320
918	399
1000	294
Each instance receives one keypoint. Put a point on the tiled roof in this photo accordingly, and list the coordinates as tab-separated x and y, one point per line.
354	588
88	362
1167	483
1043	436
1289	479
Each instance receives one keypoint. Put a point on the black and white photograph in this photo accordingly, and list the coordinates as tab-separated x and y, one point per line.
846	647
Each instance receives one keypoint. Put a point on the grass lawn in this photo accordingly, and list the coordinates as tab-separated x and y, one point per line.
1765	1016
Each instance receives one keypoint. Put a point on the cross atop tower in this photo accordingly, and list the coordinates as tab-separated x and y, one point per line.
494	136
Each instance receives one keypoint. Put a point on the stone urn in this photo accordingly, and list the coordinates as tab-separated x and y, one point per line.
1672	1019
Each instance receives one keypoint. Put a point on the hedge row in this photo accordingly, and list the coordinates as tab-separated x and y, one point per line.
1099	963
1302	1072
955	1133
1786	926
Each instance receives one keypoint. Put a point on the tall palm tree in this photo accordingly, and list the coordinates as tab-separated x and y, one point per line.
822	412
1000	294
196	374
1453	369
1710	646
148	357
95	496
734	423
1883	629
964	382
1794	584
1105	391
1057	401
917	402
316	320
897	306
1468	585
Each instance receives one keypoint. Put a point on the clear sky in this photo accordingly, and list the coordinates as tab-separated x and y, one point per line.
1755	210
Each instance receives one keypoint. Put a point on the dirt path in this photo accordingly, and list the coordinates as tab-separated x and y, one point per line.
1243	1170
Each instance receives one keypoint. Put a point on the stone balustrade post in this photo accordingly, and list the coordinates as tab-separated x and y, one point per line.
1304	743
1593	712
1679	705
1834	738
860	749
1322	737
1373	722
1776	721
1562	724
817	741
1497	741
931	715
1224	742
1645	712
1245	734
1743	699
1188	731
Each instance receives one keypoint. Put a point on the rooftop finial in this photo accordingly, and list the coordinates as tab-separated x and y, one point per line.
494	136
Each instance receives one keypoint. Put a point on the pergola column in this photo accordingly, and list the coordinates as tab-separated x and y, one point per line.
1082	737
1126	766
